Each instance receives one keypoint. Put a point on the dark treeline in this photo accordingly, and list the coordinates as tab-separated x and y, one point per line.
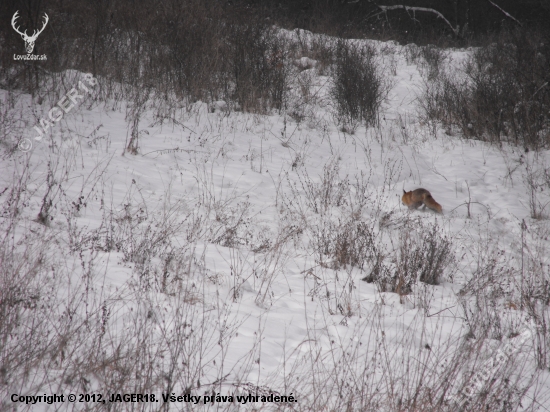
474	17
89	25
214	49
90	20
193	48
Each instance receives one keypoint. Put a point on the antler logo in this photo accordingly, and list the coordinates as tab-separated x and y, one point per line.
29	40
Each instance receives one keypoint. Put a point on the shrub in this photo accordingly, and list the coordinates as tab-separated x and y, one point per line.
257	68
504	95
359	87
347	242
423	255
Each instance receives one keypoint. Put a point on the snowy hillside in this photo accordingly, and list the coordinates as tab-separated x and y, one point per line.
226	253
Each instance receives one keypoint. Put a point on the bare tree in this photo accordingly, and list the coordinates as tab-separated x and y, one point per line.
456	29
410	9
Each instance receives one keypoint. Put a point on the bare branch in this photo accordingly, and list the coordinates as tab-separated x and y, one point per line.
506	13
423	9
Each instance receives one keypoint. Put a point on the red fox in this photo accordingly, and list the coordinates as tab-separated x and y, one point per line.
418	197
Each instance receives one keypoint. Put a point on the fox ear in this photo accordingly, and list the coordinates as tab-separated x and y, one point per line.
404	191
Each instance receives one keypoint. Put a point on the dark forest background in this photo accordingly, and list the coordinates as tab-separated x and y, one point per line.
229	50
81	32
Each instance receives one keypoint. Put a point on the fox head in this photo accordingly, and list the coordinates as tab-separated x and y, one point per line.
404	197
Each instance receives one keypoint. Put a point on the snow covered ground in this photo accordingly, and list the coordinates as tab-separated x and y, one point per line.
236	253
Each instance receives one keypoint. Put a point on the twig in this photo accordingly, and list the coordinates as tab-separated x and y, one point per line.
466	203
176	149
506	13
540	88
415	9
433	314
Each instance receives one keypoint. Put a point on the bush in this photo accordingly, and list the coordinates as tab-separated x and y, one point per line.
422	256
347	242
257	68
505	95
359	87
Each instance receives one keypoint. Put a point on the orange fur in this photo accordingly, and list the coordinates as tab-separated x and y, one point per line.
418	197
